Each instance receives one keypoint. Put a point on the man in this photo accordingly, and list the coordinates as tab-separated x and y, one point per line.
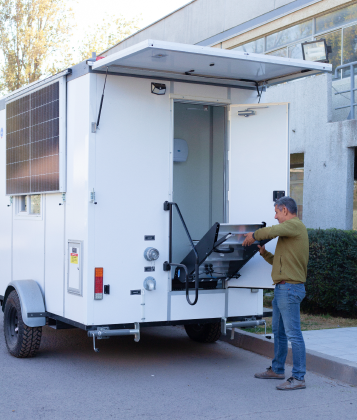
289	275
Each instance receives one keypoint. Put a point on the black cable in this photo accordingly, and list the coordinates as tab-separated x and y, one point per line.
101	101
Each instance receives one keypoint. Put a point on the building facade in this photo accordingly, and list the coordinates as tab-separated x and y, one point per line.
323	139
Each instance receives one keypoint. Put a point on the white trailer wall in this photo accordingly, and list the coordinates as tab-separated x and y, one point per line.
80	180
5	213
133	149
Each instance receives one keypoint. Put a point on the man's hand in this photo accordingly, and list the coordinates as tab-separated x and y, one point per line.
249	240
261	249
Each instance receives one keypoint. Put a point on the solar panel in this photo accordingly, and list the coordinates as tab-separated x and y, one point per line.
32	142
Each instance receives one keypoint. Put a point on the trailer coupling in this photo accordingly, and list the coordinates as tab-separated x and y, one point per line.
104	332
241	324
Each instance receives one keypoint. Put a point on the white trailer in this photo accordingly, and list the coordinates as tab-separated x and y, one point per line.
91	235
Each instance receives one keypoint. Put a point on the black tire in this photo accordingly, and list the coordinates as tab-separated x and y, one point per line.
204	333
21	340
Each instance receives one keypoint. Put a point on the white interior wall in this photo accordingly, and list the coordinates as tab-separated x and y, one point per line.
198	183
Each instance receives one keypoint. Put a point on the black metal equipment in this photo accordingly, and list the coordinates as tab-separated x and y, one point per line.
220	249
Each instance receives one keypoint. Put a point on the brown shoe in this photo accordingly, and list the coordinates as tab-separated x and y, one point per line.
269	374
292	384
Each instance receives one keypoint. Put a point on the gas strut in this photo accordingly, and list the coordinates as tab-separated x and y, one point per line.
168	206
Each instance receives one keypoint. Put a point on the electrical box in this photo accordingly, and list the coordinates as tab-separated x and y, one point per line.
180	150
74	283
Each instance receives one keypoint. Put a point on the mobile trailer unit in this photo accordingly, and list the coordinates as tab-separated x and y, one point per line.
91	233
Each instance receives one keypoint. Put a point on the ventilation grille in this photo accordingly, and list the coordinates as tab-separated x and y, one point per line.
32	142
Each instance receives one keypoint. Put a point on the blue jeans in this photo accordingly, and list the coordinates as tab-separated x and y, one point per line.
286	326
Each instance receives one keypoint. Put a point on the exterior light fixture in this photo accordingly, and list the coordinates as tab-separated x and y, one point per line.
158	88
316	51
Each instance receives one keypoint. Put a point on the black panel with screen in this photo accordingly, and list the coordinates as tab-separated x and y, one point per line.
32	142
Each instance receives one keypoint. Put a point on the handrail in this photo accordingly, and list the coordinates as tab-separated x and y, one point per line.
351	115
168	206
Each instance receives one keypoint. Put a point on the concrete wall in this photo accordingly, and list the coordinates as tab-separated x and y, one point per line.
200	20
327	147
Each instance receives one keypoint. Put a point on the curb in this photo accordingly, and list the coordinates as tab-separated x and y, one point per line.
332	367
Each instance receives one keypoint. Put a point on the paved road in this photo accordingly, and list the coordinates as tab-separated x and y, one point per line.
164	376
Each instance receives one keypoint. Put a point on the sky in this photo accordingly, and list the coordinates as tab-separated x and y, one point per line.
89	12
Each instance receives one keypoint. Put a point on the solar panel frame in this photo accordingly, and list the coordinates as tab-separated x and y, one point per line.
36	140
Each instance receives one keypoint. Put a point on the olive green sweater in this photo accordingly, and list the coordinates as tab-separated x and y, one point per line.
291	253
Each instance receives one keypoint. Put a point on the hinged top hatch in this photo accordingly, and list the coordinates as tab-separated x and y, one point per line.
205	64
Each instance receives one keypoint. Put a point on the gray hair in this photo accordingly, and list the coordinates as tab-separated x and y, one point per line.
287	202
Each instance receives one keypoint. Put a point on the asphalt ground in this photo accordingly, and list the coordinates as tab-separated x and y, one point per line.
164	376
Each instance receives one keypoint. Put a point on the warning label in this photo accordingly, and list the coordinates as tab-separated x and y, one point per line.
74	258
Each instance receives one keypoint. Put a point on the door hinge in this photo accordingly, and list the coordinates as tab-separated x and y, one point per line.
92	196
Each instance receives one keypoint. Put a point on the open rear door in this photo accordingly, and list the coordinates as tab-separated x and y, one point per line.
258	166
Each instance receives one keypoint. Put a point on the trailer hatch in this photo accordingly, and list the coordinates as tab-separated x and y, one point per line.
169	60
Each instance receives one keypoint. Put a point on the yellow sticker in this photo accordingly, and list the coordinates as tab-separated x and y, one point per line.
74	258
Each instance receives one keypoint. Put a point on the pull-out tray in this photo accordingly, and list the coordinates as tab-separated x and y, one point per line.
220	251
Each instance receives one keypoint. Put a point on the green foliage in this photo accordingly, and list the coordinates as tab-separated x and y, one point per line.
331	285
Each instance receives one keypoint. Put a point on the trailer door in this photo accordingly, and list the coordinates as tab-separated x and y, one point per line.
258	165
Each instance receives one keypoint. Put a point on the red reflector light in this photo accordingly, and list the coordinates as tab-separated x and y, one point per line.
98	283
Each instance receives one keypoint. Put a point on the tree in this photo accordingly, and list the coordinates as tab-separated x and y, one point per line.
32	31
108	33
35	39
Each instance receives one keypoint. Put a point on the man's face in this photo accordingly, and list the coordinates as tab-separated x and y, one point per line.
280	215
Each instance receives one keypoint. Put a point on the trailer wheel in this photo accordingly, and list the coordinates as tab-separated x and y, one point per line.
204	333
21	340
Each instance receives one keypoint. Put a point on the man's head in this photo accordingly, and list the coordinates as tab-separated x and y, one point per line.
285	209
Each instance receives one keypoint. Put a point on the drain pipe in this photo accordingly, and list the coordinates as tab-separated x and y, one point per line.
241	324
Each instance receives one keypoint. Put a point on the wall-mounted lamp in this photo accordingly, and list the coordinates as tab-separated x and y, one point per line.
316	51
158	88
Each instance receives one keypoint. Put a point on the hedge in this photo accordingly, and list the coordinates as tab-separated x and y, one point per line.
331	284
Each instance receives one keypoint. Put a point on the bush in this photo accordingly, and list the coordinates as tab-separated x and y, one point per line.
331	284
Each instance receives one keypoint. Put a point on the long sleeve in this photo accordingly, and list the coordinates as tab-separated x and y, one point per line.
268	256
283	229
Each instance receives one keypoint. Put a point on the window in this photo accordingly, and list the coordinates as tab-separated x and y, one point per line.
355	194
334	39
256	47
338	28
297	180
349	47
336	19
279	53
295	51
295	33
29	205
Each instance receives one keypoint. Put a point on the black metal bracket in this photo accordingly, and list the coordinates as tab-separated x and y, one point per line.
168	207
37	314
166	266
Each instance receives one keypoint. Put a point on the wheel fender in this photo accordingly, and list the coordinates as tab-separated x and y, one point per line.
31	300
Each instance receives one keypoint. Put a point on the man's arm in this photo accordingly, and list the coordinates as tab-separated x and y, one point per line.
283	229
268	256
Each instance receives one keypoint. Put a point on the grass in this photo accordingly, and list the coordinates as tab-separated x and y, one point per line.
308	322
